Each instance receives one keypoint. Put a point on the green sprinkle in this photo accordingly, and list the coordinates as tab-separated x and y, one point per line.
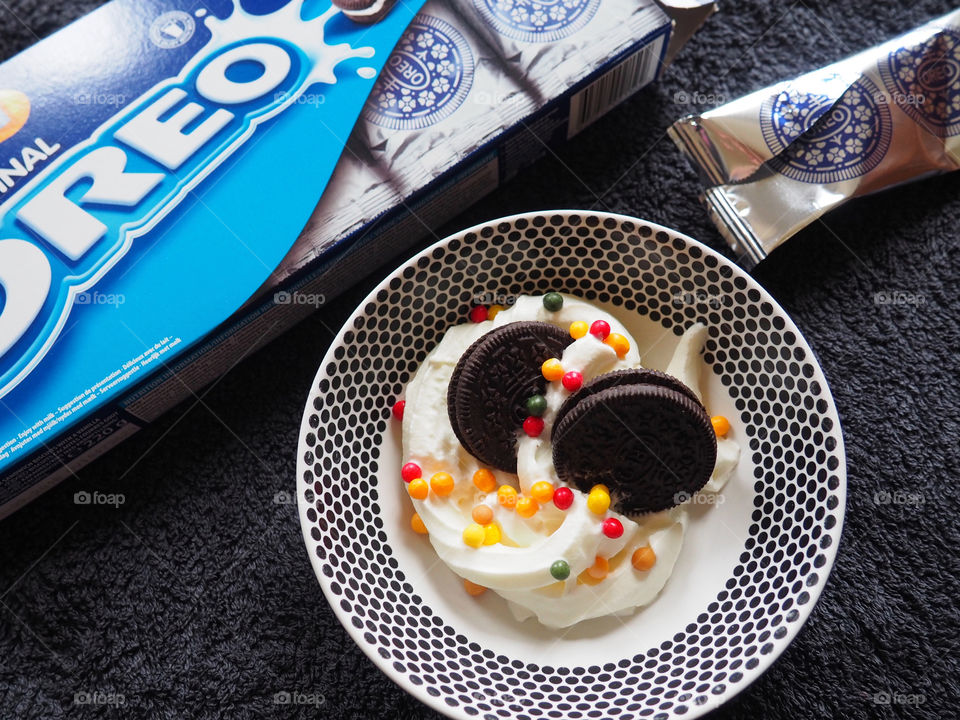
560	570
536	405
553	301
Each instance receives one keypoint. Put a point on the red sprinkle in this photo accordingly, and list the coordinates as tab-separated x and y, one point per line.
410	471
398	408
600	329
563	497
612	528
572	380
533	426
479	313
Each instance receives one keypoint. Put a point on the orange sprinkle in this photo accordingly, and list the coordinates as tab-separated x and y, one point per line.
619	344
507	496
721	426
418	489
482	514
643	558
599	569
417	524
484	480
527	507
473	588
442	483
542	491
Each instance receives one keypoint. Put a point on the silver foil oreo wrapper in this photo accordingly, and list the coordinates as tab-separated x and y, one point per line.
776	160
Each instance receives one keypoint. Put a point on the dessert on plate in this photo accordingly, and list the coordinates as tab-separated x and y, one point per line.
547	464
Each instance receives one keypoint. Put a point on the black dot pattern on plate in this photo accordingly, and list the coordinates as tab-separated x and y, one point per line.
786	430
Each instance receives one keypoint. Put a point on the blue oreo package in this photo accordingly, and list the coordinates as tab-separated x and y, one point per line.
150	187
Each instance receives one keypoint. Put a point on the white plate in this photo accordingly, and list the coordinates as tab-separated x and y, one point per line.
751	568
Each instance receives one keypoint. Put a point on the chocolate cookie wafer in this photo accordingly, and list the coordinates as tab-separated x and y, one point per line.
492	380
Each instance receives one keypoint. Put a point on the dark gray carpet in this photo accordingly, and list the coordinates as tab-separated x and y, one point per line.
196	598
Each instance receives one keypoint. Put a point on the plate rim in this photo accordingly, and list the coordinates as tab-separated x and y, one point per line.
750	675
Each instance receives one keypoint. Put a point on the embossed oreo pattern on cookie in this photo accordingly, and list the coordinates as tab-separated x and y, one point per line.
924	81
845	142
792	465
427	77
537	20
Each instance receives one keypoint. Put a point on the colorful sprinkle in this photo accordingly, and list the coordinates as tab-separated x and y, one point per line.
473	535
598	501
478	313
643	558
418	489
563	498
491	534
473	588
484	480
536	405
442	483
553	301
533	426
552	369
578	329
560	570
410	471
600	329
482	514
599	569
398	408
417	524
572	380
542	491
507	497
494	311
527	507
619	343
612	528
721	426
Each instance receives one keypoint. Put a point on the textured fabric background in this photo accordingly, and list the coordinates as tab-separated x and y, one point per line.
196	598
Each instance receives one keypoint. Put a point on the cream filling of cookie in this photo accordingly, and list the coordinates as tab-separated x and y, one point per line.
518	568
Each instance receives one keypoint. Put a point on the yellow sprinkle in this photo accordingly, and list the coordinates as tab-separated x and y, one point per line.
598	501
418	489
442	483
552	369
491	535
527	507
484	480
578	329
417	524
473	535
542	491
493	311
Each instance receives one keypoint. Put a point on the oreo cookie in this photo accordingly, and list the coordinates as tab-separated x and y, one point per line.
365	12
651	444
489	387
629	376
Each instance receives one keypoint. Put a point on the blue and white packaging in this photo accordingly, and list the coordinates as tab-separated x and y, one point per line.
379	201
